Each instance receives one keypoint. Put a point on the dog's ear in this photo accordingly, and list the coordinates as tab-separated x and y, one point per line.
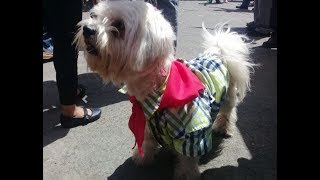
119	28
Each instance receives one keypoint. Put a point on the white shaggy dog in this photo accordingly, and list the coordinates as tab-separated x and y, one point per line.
131	44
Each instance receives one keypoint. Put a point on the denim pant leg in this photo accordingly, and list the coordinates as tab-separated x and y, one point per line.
245	3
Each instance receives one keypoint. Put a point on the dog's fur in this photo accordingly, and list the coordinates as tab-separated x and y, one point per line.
132	44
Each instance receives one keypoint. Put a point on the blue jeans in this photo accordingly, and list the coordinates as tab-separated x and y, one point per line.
245	3
47	42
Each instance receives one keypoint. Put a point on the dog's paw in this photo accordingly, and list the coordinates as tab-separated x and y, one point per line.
222	126
223	132
142	161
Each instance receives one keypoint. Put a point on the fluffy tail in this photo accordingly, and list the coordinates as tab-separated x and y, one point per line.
234	52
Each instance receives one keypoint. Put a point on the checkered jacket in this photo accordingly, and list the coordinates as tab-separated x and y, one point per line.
188	129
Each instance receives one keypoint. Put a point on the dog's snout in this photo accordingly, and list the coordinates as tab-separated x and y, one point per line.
88	31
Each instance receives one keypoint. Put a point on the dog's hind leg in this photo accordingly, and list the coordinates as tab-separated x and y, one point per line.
227	116
187	168
150	147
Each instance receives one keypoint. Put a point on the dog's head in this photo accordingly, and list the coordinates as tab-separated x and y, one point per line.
123	40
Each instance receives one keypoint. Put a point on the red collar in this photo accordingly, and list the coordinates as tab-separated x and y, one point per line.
182	87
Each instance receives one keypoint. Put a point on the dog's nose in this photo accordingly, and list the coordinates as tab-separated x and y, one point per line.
88	31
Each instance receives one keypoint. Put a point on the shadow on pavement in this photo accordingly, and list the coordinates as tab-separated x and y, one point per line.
233	10
98	95
247	169
161	169
163	166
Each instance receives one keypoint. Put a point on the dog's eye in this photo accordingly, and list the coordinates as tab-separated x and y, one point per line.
119	25
93	15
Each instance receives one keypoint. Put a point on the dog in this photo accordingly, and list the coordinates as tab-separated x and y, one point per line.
176	103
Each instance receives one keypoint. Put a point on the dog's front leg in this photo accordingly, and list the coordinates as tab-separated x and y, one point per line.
187	168
150	147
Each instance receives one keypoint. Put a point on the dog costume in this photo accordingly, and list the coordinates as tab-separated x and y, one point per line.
181	113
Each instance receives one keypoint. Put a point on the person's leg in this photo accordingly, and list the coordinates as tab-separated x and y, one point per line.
261	25
273	16
244	4
170	9
262	13
62	17
47	45
272	41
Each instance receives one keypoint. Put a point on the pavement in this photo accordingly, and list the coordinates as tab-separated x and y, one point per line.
102	150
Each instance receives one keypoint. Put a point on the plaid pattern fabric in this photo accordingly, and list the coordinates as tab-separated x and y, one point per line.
188	129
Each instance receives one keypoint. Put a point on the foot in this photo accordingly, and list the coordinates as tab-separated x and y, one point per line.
241	7
250	24
47	55
80	116
255	33
271	43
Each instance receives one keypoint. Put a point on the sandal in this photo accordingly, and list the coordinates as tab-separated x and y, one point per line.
241	7
70	122
82	91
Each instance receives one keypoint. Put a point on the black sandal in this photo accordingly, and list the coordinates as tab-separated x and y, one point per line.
82	91
70	122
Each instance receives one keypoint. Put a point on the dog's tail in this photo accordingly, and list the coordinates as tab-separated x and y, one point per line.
234	53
